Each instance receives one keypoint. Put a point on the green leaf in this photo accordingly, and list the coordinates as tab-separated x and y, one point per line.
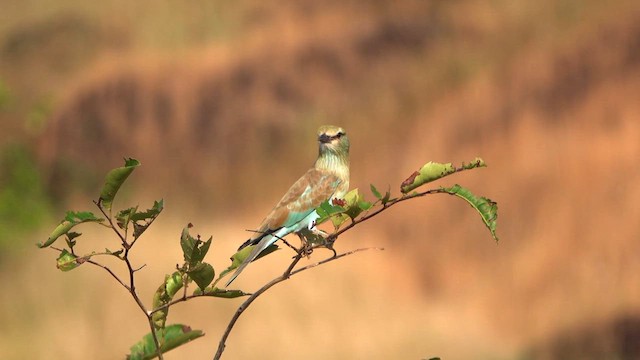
70	239
383	198
80	216
221	293
487	209
72	235
202	274
429	172
375	192
169	338
476	163
67	261
114	253
114	179
356	203
432	171
328	211
150	214
386	197
123	217
71	219
172	283
238	258
193	250
142	220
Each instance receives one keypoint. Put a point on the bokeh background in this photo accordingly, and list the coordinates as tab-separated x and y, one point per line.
220	101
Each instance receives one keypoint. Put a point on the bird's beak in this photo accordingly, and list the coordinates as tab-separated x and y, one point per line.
324	138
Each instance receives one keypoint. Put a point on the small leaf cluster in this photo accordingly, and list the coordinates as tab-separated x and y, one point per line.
341	210
129	225
356	208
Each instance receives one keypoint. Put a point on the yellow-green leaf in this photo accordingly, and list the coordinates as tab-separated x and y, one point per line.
432	171
172	283
67	261
221	293
169	338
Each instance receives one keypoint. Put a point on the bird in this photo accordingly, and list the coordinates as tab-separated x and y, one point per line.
328	179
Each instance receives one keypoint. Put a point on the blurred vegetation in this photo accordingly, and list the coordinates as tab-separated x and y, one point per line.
24	204
5	95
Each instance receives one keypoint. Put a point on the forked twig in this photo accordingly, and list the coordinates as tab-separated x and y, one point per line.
286	275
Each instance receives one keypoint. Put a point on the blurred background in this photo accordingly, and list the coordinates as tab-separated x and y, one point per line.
220	102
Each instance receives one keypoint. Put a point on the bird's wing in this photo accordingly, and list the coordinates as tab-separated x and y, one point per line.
304	196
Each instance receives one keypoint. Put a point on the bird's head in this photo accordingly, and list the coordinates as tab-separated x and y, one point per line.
333	139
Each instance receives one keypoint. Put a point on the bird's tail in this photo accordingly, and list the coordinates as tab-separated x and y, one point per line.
264	243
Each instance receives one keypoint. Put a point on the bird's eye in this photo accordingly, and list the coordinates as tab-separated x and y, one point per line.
339	135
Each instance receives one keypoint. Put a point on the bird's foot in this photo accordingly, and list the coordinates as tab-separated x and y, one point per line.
307	245
307	250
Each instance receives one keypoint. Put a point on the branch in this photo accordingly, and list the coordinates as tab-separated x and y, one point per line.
183	298
384	207
131	287
302	252
108	217
134	294
286	275
110	273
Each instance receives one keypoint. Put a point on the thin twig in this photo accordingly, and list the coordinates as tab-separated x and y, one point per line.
183	298
110	272
384	207
310	266
134	294
132	287
286	275
108	217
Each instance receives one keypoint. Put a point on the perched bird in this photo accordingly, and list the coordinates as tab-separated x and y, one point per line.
327	179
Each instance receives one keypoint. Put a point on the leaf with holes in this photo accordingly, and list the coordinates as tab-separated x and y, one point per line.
169	338
142	220
432	171
172	283
67	261
193	250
